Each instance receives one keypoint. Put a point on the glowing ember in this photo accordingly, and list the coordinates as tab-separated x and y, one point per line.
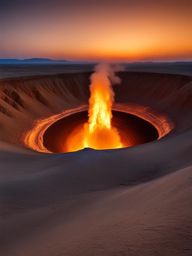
98	132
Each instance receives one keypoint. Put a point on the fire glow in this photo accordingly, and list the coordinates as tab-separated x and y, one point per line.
98	132
98	129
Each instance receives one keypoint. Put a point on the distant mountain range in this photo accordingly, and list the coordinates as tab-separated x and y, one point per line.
32	61
53	61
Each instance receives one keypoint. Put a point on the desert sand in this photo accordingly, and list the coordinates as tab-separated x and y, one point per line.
123	202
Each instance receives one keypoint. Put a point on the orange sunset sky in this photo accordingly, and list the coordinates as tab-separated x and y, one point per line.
91	30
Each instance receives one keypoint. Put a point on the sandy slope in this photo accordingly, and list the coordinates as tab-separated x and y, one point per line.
134	201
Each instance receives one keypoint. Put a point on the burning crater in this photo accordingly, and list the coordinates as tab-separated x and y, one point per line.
42	113
102	125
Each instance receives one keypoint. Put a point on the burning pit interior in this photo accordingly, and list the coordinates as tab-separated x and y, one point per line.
132	130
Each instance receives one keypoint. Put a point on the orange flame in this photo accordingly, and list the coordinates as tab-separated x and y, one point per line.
98	132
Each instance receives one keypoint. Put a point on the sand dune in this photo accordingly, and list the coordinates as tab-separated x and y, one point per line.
134	201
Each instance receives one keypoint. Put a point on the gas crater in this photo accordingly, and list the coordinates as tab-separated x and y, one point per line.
46	110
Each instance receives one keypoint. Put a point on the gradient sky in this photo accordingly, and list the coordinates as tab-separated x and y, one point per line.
90	29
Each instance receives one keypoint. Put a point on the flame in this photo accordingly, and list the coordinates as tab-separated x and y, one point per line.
98	132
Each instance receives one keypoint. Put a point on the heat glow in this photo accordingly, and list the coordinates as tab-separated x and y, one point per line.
98	132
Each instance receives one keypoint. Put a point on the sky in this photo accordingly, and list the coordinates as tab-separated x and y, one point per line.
128	30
